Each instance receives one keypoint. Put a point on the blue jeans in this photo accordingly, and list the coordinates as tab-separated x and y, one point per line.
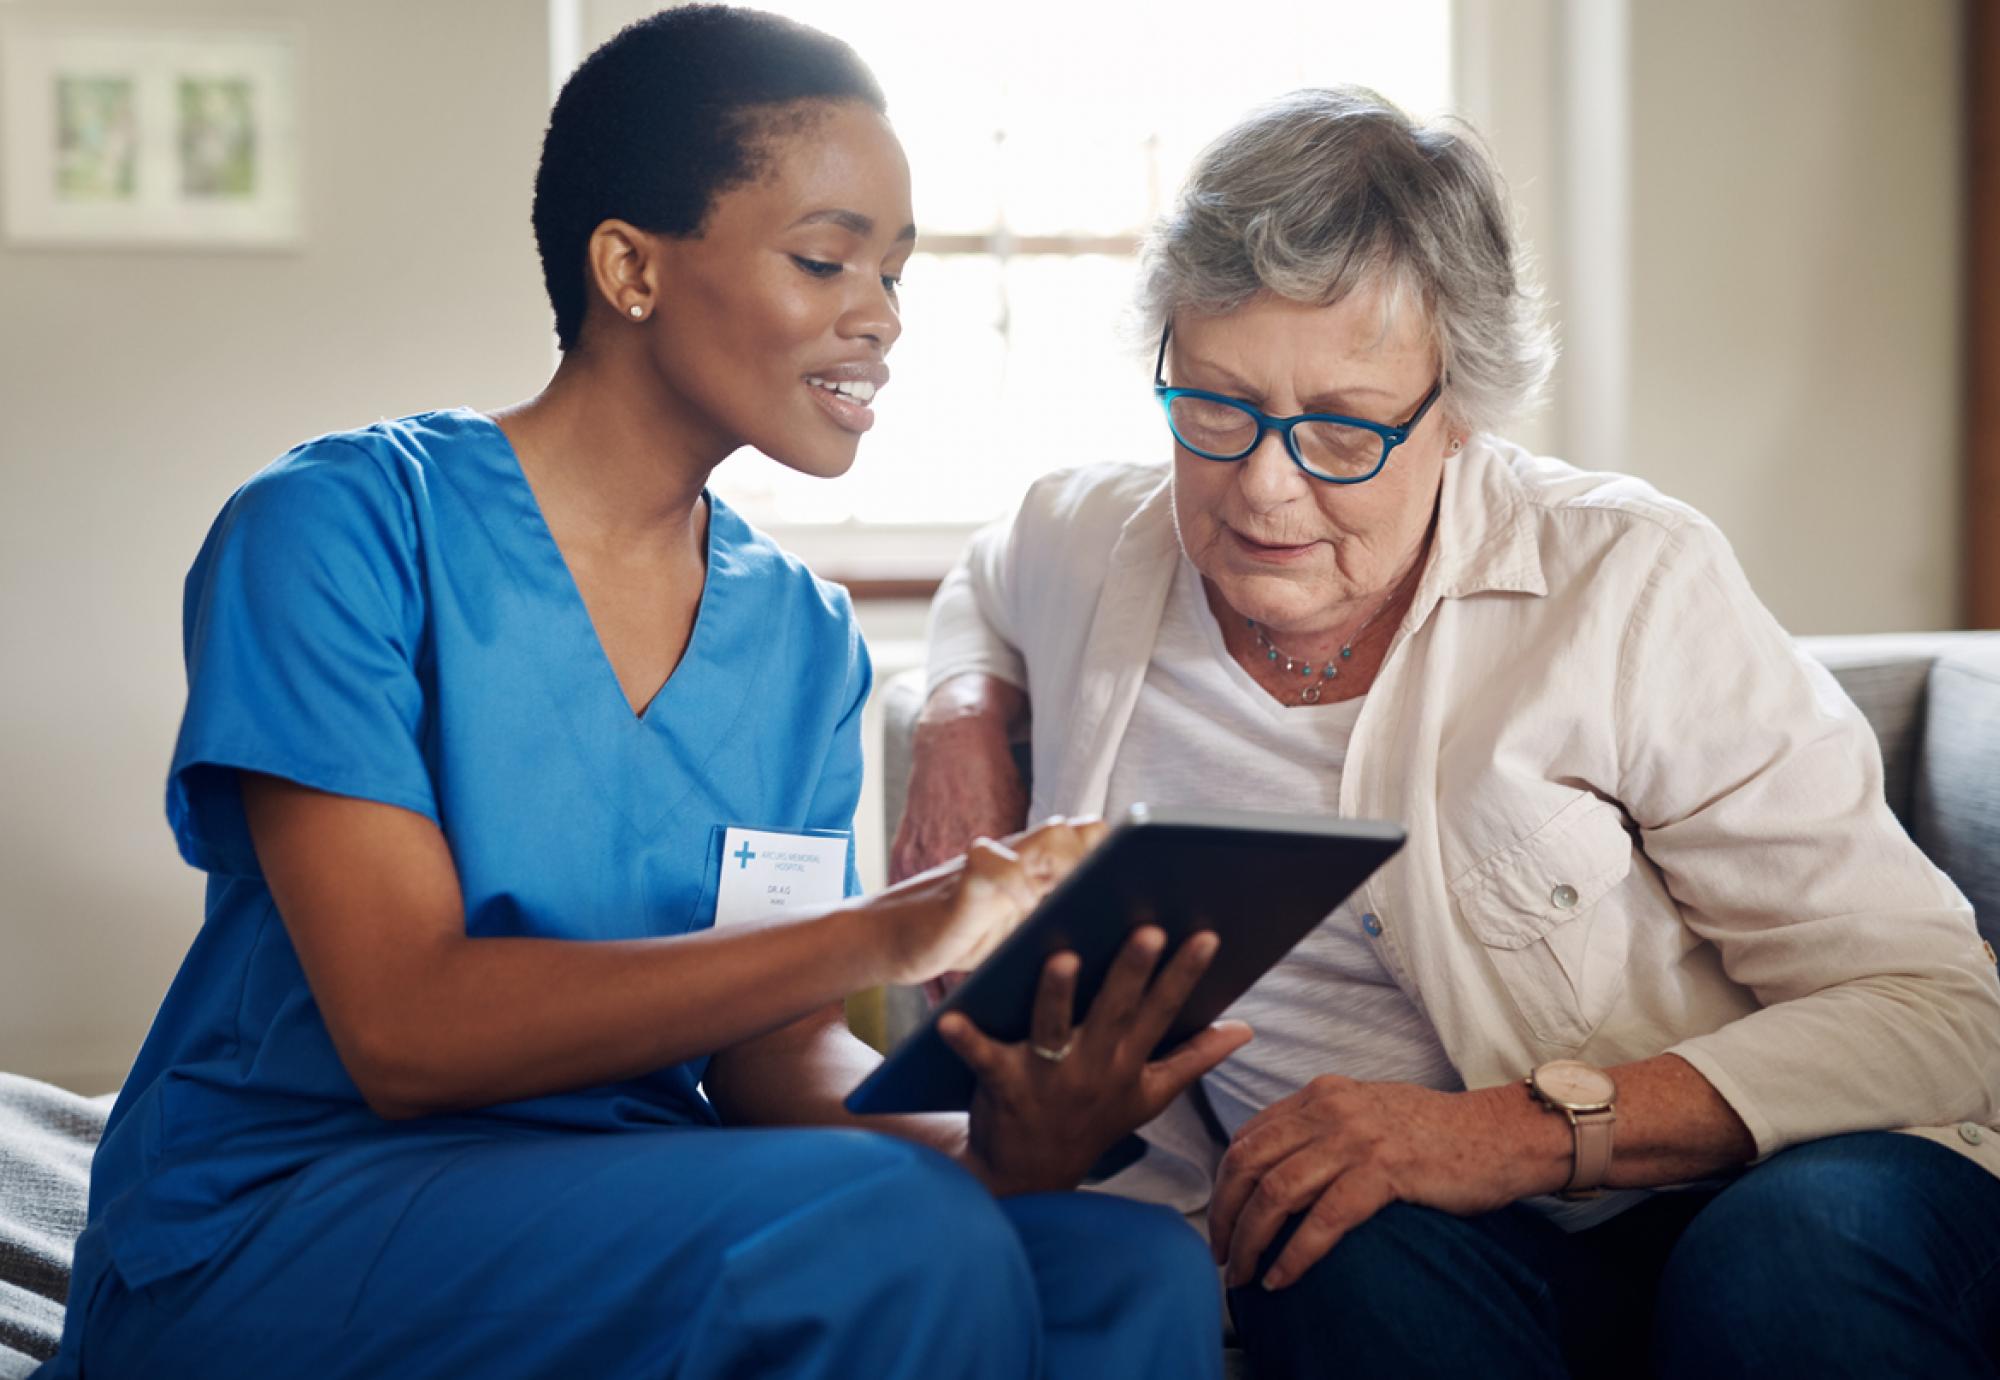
1870	1254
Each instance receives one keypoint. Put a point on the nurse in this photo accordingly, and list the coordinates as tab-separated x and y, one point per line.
461	1077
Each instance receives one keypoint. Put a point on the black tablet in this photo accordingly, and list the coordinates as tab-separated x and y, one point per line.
1260	881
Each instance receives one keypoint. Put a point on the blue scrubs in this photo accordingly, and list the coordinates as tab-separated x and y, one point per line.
383	614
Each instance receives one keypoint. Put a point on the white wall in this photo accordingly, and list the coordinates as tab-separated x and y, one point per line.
1796	242
138	388
1751	214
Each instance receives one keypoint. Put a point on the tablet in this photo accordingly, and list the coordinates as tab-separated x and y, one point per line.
1260	881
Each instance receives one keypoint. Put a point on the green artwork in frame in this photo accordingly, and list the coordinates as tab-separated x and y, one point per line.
97	138
135	134
218	137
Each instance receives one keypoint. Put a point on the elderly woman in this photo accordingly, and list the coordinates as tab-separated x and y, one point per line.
1654	923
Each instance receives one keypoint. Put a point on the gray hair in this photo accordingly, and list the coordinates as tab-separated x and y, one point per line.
1326	190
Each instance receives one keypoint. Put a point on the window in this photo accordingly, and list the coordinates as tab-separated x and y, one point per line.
1044	136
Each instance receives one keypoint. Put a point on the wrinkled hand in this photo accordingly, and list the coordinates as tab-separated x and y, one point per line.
1039	1124
1339	1151
951	917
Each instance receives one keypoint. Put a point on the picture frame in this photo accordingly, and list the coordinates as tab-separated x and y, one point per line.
147	135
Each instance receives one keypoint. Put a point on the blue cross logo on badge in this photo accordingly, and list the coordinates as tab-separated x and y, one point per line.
743	855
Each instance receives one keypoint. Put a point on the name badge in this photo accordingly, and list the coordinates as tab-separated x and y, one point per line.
767	873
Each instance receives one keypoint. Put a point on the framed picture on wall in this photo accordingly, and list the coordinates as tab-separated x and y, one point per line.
141	136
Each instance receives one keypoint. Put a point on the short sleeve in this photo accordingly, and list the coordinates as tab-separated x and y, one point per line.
838	791
303	629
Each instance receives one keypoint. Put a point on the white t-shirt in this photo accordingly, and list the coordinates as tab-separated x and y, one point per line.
1203	732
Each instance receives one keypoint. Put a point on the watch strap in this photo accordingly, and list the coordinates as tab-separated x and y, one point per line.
1593	1150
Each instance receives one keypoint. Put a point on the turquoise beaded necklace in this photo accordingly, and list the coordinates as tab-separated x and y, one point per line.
1330	671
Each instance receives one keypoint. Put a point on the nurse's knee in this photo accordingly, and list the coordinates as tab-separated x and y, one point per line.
1145	1249
892	1262
927	1218
1159	1269
1160	1245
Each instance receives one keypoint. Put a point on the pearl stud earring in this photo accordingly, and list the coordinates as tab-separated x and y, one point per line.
637	311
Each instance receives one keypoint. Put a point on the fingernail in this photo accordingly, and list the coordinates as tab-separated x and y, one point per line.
1276	1280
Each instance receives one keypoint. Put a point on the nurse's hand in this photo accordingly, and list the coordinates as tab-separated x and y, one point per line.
951	917
1049	1107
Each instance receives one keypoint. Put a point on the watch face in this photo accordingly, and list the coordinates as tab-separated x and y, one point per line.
1575	1085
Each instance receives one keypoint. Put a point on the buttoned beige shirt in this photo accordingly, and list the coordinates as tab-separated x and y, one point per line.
1640	819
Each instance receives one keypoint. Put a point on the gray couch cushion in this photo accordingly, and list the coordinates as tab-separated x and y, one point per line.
1887	675
47	1137
1889	692
1956	801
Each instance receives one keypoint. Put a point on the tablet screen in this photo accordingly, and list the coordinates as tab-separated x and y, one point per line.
1260	881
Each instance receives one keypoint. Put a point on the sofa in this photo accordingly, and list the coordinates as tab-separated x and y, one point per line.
46	1139
1933	700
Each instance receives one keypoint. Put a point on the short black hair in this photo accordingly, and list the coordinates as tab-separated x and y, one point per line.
665	116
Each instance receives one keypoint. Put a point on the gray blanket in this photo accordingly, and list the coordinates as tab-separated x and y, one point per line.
47	1137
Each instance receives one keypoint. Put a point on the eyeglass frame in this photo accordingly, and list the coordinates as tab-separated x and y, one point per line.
1392	436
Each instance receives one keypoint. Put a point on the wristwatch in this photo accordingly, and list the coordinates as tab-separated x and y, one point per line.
1586	1095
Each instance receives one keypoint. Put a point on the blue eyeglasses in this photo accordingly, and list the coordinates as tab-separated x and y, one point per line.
1326	445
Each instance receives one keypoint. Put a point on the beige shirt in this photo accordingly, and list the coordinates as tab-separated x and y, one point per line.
1640	819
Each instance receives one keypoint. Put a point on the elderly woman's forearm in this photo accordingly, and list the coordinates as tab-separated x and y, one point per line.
1672	1126
976	697
1897	1049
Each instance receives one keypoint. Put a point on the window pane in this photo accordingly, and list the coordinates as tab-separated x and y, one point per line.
932	419
1059	118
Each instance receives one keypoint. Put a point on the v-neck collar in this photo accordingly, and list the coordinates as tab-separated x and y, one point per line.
543	551
691	716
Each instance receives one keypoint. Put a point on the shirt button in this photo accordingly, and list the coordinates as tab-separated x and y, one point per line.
1970	1133
1372	925
1564	897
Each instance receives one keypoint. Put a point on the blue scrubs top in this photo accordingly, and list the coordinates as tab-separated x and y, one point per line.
383	614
